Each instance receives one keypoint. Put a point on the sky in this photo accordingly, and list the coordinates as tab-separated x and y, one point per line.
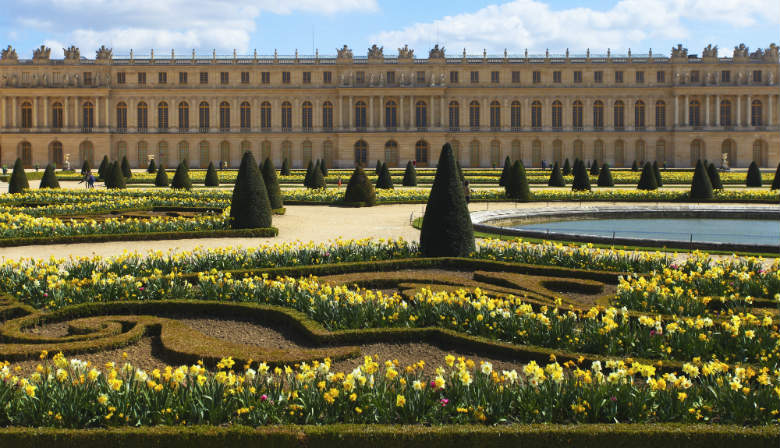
306	25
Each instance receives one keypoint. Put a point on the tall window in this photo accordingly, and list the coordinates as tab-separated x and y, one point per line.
203	116
579	150
265	116
421	152
454	111
598	115
391	115
88	116
639	114
224	116
27	115
286	116
694	113
536	115
224	152
162	115
162	153
756	113
576	115
421	115
474	115
619	116
307	116
246	116
56	156
360	115
660	115
515	116
25	149
184	152
56	116
142	112
121	117
184	116
327	115
639	152
495	115
725	113
557	115
361	153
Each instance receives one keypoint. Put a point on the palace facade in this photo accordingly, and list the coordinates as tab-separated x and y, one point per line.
351	109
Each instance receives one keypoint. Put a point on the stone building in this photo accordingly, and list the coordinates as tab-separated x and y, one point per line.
347	109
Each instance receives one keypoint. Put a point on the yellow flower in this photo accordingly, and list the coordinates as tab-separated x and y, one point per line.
400	401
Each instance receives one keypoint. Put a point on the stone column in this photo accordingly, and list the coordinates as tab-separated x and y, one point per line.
748	111
316	114
443	112
739	111
340	113
107	113
13	112
770	112
3	115
707	111
35	113
371	124
351	112
411	112
505	113
717	110
276	115
609	113
676	111
400	112
45	113
687	115
525	114
297	122
546	115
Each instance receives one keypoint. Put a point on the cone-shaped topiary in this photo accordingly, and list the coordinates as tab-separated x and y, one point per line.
378	168
594	168
285	171
581	180
323	168
446	228
116	176
108	180
18	181
410	175
384	181
647	179
307	177
566	167
701	187
103	168
212	178
776	181
505	172
272	185
460	173
605	177
753	175
162	177
250	207
517	183
126	168
49	179
714	176
317	180
556	177
635	166
181	180
658	181
152	167
85	168
359	190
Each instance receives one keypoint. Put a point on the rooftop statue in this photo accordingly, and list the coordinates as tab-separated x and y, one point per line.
376	52
436	52
679	52
72	53
741	51
42	53
405	52
710	51
9	54
344	53
104	53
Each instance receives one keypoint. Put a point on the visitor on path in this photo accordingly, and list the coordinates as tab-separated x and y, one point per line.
90	180
339	184
467	191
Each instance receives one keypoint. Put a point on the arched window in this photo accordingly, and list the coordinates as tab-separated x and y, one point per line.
184	116
121	117
162	153
25	153
307	116
265	116
88	116
557	115
142	112
660	115
56	156
286	116
536	153
306	152
244	147
327	115
204	154
639	152
265	150
328	155
598	115
619	116
725	113
421	152
660	152
203	117
474	154
246	116
391	153
536	115
598	152
576	115
87	153
578	150
121	151
517	150
760	153
515	116
495	115
421	115
697	152
143	154
162	115
639	114
224	116
557	151
391	115
184	152
756	114
694	113
56	116
454	110
27	115
474	115
361	153
495	153
360	115
729	148
224	152
620	154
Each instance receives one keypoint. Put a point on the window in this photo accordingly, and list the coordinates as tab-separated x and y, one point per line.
361	153
56	156
224	116
162	115
474	77
495	77
495	115
756	113
598	115
725	113
246	116
184	116
421	115
391	115
184	152
244	77
265	77
56	116
203	116
141	78
694	76
557	115
307	77
204	77
694	113
420	77
224	77
88	116
639	115
307	116
454	113
515	77
640	77
87	78
725	76
598	77
619	123
182	77
557	76
474	115
756	75
120	77
360	115
618	76
453	77
142	114
516	109
390	77
421	152
326	77
537	77
360	77
576	115
536	115
162	78
27	115
577	76
265	116
327	115
286	116
660	77
660	115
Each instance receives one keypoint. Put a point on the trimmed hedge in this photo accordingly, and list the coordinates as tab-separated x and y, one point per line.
212	179
272	184
712	172
18	182
250	207
285	170
162	177
152	168
776	180
125	165
181	180
359	190
410	175
49	179
516	185
581	180
566	167
647	181
384	181
556	178
753	175
605	177
505	172
701	187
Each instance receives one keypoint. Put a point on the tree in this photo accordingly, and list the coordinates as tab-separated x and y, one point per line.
605	177
162	177
152	167
581	180
566	167
18	181
102	169
181	180
714	176
49	179
249	207
594	168
316	180
647	179
556	177
635	166
657	172
776	181
125	166
384	181
359	190
505	172
446	228
307	177
285	171
212	178
323	168
410	175
85	168
460	173
272	185
114	173
378	168
701	187
517	184
753	175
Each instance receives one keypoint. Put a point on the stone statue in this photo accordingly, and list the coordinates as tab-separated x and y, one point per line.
758	54
441	79
771	79
72	53
724	161
741	51
371	79
42	53
772	54
405	52
679	52
710	51
344	53
436	52
104	53
9	54
376	52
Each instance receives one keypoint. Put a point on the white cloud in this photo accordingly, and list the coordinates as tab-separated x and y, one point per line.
533	24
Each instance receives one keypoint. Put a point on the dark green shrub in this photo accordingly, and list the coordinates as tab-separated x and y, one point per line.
307	177
378	168
701	187
566	167
285	171
117	177
446	228
410	175
635	166
85	168
212	179
384	181
181	180
594	168
49	179
359	189
316	180
753	175
581	180
102	169
517	183
18	181
776	181
460	173
658	181
272	185
323	168
505	172
126	168
249	207
605	177
647	179
162	177
714	176
152	167
556	177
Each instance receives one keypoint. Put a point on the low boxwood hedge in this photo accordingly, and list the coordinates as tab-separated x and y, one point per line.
150	236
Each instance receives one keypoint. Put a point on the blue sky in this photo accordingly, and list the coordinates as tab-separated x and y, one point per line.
266	25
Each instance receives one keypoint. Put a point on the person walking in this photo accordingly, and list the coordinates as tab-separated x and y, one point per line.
90	180
467	191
